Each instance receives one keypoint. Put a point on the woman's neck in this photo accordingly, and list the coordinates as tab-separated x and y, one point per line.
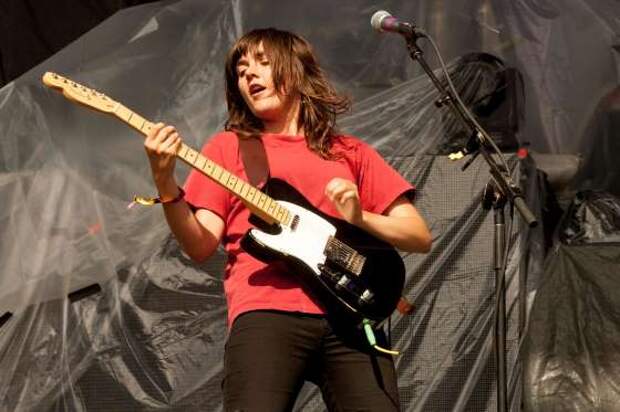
289	129
286	124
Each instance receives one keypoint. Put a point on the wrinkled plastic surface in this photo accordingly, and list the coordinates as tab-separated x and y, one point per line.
153	338
592	217
571	359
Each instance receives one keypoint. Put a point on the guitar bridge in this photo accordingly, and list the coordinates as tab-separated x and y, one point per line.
344	256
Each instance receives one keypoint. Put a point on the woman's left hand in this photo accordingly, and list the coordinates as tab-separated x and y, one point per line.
345	197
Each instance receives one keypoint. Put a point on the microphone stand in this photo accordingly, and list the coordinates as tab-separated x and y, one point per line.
498	191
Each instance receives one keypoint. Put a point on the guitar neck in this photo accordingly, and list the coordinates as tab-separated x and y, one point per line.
258	202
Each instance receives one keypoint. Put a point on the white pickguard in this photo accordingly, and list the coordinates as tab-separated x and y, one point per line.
307	242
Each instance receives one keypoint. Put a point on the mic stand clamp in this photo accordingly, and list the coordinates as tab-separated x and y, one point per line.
499	190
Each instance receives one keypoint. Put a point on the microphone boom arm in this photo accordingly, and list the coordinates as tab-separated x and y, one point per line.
480	139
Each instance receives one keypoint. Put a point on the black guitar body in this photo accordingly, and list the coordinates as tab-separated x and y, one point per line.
352	273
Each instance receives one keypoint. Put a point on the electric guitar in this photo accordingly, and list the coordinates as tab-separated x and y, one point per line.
352	273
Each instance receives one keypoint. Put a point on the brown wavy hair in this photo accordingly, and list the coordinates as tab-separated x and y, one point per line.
295	70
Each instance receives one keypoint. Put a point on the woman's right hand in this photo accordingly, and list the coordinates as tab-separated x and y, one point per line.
161	145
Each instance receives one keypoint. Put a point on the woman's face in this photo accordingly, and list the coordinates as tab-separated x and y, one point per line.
255	82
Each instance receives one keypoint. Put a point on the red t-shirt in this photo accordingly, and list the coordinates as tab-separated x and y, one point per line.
250	284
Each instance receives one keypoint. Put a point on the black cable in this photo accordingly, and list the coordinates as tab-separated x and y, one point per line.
466	110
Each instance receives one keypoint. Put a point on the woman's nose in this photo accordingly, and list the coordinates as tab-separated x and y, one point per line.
250	71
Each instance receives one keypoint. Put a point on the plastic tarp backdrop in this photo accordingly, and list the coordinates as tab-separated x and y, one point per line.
571	362
153	337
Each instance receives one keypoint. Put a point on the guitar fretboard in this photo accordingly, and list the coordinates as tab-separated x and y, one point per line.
262	205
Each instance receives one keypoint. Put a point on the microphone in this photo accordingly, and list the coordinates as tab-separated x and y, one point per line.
384	22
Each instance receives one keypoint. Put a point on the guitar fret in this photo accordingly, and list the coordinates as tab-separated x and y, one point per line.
182	149
238	186
272	206
208	168
279	213
134	119
124	113
244	190
147	125
204	161
217	172
188	155
224	177
261	200
256	197
267	203
251	194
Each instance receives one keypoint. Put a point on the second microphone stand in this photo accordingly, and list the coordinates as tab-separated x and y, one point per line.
499	190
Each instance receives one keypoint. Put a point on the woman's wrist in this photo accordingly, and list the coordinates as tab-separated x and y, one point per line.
170	199
168	190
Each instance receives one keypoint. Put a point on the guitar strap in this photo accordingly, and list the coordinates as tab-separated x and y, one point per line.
254	158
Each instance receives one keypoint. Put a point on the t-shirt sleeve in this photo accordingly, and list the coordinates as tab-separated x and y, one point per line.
203	193
379	184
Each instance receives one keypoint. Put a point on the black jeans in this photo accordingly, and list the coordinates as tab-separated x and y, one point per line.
269	355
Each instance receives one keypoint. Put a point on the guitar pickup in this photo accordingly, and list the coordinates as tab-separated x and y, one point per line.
344	256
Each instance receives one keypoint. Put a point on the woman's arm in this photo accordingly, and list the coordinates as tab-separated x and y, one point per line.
401	225
198	233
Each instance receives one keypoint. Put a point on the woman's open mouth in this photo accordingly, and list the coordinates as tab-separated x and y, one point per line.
256	89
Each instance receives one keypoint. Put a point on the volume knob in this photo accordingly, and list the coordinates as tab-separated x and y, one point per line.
366	297
343	282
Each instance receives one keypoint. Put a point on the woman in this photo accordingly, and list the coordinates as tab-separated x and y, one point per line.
281	124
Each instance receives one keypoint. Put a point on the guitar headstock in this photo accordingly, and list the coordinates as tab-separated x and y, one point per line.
80	94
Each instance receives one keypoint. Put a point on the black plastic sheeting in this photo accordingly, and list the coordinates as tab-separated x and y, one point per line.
592	218
153	337
572	356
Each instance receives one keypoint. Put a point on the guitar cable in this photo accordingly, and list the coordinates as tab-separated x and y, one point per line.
372	340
